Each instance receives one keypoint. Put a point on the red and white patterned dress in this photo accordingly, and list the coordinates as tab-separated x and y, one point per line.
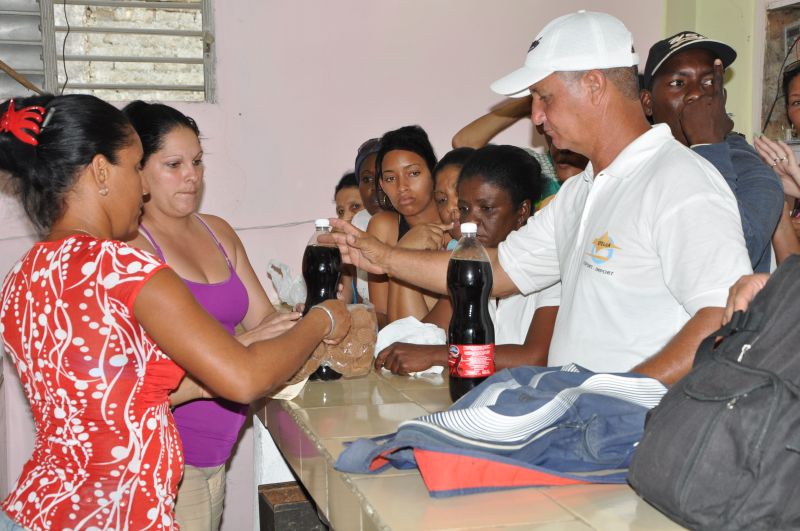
107	453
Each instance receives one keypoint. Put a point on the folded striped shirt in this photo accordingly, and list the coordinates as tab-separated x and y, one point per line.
521	427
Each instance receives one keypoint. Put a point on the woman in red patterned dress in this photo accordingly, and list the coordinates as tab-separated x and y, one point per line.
101	333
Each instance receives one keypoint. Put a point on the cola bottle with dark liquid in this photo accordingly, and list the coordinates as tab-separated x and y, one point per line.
321	271
470	335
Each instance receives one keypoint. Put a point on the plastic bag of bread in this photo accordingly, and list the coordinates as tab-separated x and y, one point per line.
353	356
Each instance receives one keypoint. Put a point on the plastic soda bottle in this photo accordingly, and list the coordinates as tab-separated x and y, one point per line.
321	271
471	333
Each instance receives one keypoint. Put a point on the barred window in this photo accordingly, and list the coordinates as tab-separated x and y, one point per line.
115	49
21	45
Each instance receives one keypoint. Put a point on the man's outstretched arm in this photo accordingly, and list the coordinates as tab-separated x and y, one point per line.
424	269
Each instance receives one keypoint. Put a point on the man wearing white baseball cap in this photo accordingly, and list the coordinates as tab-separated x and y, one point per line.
579	41
646	242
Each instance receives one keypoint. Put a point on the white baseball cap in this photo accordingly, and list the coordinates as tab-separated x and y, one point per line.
584	40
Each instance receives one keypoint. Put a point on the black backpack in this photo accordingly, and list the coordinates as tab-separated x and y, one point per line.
721	451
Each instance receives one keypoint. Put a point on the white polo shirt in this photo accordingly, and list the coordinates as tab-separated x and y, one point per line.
639	248
512	315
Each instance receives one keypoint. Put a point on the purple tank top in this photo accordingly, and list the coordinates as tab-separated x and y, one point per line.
209	428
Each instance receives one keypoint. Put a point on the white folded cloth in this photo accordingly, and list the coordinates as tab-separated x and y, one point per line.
411	330
289	391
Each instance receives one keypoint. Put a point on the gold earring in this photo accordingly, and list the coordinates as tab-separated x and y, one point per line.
104	191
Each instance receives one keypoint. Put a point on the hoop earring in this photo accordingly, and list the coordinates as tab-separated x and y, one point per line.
383	199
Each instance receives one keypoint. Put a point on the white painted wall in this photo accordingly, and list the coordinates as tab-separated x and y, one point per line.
300	85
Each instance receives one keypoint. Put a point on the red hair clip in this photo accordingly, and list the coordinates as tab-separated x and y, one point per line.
23	123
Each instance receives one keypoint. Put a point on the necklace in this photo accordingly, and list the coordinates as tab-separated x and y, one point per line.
82	231
86	232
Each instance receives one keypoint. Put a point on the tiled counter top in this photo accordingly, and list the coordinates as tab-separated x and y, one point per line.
311	429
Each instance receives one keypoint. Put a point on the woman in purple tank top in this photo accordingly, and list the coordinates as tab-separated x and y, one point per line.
208	255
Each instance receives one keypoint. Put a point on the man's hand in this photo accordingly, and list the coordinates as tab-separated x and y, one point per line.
704	120
742	292
404	358
428	236
359	248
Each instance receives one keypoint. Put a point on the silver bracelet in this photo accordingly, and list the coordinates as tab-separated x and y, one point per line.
330	316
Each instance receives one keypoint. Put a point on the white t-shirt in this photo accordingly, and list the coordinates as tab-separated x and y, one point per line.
639	248
512	315
360	221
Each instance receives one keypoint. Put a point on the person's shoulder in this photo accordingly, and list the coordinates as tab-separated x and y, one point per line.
221	229
738	141
121	257
678	162
383	222
385	216
141	242
573	187
226	235
676	176
217	223
743	153
679	179
660	147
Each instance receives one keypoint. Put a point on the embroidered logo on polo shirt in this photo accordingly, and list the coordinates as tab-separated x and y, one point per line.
603	249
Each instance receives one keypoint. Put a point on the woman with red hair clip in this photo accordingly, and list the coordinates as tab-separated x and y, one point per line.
101	334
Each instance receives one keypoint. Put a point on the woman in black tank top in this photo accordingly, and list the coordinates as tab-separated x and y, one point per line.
404	187
402	227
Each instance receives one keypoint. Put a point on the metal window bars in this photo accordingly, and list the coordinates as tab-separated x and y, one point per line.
123	50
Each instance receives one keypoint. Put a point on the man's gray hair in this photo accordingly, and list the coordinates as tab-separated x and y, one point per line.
625	78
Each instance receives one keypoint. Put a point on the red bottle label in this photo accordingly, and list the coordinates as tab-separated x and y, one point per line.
471	361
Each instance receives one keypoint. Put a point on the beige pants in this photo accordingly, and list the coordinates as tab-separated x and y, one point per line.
200	498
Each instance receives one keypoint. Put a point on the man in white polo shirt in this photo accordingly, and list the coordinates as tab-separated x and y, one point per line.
646	242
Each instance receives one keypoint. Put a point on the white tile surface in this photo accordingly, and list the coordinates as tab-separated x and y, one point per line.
311	431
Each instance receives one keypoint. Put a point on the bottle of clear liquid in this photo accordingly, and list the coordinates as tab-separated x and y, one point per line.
471	333
321	271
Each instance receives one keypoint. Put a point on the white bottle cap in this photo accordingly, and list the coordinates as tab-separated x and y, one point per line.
472	228
322	222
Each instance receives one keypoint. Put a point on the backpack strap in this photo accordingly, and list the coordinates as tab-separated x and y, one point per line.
741	321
